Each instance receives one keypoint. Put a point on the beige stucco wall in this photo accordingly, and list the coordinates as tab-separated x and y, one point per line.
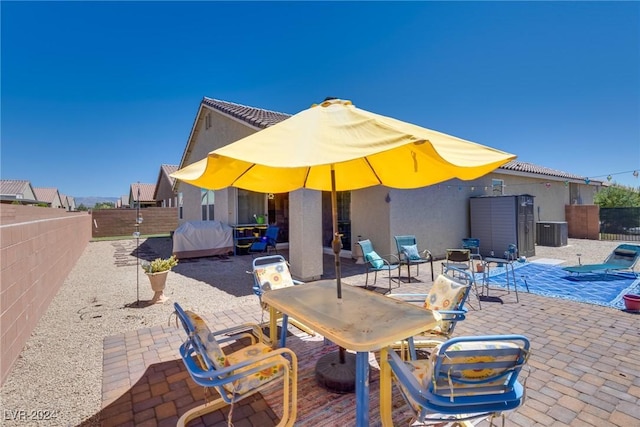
370	218
164	192
223	131
438	215
550	196
305	234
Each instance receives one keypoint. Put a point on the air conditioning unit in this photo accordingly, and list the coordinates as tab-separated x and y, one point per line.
552	233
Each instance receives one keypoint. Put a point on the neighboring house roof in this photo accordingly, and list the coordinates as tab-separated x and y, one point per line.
146	192
166	171
14	187
260	118
46	194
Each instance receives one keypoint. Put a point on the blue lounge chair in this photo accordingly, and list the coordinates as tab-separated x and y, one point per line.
624	257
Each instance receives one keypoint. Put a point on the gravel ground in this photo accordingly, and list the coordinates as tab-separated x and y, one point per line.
60	367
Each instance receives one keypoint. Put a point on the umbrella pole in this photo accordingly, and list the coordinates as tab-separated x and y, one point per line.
336	371
336	245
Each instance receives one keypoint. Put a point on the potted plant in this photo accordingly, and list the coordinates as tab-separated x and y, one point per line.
157	271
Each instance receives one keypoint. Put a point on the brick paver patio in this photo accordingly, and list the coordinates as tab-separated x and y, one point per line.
583	370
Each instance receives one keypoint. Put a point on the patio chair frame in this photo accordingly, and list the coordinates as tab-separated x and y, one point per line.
204	373
425	255
452	392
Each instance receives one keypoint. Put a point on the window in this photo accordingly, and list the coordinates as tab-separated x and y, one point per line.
207	199
179	205
207	121
497	186
250	203
574	194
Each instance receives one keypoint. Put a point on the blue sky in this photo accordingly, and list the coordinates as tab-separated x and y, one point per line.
96	95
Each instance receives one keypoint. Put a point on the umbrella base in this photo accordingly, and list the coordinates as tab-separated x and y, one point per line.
335	376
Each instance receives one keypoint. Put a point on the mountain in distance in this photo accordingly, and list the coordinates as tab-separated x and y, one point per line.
92	200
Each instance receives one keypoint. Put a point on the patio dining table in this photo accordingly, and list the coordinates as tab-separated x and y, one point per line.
363	321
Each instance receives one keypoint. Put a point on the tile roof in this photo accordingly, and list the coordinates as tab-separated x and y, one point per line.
13	186
254	116
44	194
146	192
518	166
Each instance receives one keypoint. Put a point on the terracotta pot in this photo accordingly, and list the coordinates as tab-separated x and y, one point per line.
479	268
158	282
631	302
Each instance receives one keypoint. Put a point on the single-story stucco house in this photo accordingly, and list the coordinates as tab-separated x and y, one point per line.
438	215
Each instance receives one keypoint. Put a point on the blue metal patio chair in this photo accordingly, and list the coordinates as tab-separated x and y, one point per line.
465	378
237	375
409	254
272	272
473	245
375	263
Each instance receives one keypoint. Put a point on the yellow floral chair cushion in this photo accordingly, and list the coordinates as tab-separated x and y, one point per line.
256	379
221	360
423	369
274	276
212	347
445	294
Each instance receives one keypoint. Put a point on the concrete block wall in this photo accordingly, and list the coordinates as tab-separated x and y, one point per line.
38	248
121	222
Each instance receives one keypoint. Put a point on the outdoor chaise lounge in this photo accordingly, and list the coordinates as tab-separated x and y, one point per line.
624	257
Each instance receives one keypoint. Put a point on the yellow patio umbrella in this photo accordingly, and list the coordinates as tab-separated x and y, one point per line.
335	146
